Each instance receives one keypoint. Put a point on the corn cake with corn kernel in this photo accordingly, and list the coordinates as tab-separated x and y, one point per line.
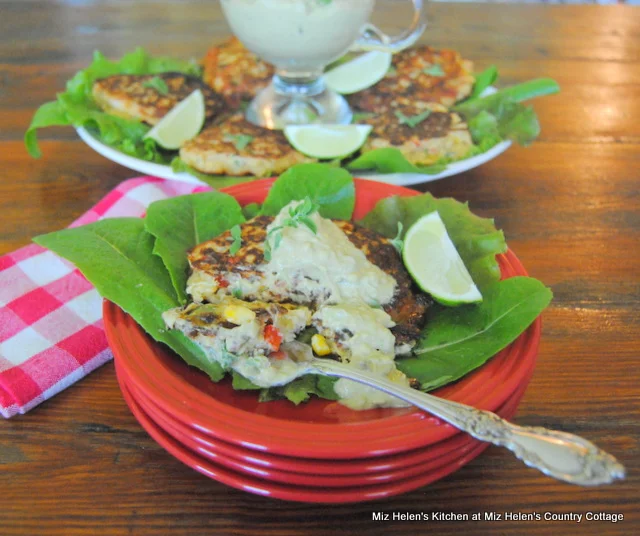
419	76
135	96
234	72
437	135
238	326
236	147
215	273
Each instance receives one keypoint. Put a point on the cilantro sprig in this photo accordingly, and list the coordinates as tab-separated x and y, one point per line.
397	242
434	70
158	84
240	141
236	234
298	215
414	120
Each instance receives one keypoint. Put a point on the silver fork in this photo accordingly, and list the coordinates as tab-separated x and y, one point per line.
560	455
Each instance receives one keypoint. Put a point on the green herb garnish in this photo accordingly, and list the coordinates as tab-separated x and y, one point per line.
158	84
267	251
236	234
434	70
414	120
397	242
240	141
300	214
237	293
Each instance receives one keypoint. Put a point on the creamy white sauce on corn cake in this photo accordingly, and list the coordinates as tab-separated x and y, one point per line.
323	266
250	307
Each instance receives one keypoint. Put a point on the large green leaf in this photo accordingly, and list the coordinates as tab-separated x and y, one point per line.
476	239
300	389
517	93
484	80
180	223
491	119
391	160
50	114
330	187
457	340
116	256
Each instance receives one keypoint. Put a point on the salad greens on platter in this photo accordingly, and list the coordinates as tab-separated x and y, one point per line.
491	119
76	105
141	266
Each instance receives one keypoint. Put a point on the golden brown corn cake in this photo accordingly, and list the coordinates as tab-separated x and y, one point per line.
418	76
135	96
215	271
437	134
236	147
234	72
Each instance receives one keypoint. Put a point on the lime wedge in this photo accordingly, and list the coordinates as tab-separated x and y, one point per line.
327	141
182	122
359	73
435	264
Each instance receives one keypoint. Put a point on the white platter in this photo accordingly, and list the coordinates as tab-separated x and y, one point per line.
401	179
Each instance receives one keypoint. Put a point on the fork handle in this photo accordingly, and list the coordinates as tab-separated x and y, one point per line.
560	455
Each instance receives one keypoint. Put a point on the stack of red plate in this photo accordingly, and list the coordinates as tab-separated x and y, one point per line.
318	451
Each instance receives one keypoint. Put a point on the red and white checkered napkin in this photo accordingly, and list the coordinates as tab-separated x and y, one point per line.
51	331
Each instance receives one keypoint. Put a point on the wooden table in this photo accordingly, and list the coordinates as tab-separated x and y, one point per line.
81	464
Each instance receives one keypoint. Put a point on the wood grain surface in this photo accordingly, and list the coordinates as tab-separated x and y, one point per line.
569	205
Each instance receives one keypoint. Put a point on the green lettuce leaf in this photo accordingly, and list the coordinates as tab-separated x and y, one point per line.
517	122
301	389
77	107
116	256
513	120
251	210
518	93
297	391
49	114
457	340
476	239
182	222
330	187
240	383
491	119
504	119
391	160
146	274
484	80
484	129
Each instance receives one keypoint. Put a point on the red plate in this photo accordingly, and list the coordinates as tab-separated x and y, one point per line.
243	460
318	429
298	493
